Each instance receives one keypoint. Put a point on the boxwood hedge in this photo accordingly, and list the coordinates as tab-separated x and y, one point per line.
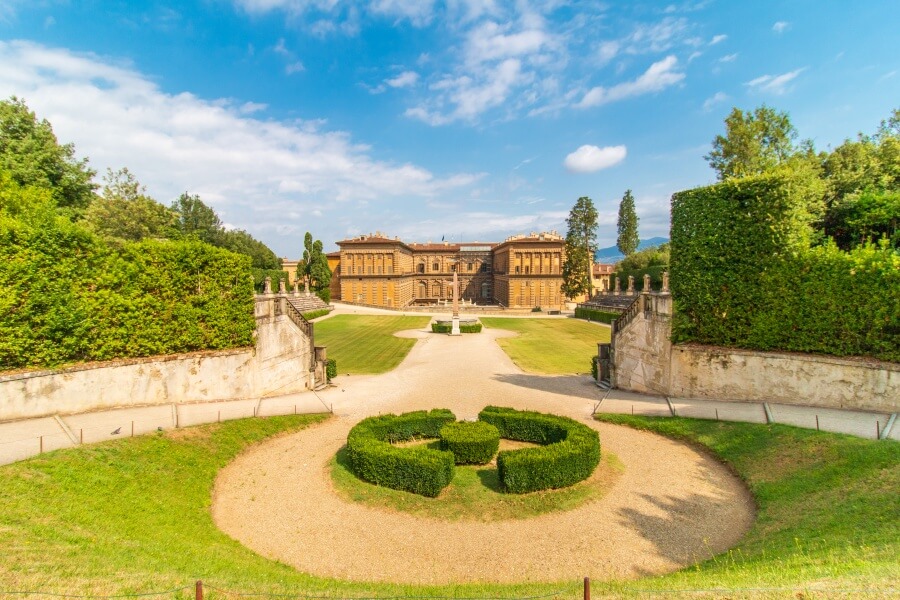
418	470
570	450
471	443
463	327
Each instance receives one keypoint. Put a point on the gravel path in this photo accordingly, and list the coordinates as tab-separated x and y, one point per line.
671	507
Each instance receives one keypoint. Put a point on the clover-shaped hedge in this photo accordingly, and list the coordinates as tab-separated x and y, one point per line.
418	470
569	452
472	443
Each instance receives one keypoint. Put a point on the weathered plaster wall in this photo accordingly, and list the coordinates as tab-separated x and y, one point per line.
811	380
278	364
646	361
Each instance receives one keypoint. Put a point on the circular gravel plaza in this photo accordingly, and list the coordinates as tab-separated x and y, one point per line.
671	507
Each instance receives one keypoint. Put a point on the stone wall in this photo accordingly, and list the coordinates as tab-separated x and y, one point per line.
280	363
645	360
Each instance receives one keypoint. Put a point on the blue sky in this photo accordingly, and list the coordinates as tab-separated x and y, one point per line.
466	119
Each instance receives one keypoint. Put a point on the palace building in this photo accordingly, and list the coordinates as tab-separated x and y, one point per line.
523	271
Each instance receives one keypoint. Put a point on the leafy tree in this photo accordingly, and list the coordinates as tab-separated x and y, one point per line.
197	219
753	143
628	240
238	240
581	239
656	256
314	266
31	154
124	211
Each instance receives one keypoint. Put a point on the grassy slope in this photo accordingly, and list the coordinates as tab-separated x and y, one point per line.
366	344
829	506
573	341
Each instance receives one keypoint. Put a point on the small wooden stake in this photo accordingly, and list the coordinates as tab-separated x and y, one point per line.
717	414
877	430
41	450
132	429
587	588
817	422
198	590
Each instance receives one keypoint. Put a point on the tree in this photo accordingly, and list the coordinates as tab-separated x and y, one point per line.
123	211
31	154
581	239
238	240
197	219
753	143
628	240
314	266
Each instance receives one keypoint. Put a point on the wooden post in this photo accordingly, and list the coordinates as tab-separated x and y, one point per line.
587	588
41	449
198	590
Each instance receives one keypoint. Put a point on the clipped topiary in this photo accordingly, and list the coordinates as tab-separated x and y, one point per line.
418	470
471	443
570	450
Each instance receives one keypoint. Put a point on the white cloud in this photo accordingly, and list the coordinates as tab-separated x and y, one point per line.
404	79
657	37
607	51
418	12
717	38
589	159
256	173
781	26
659	76
715	99
249	108
728	58
491	41
294	67
776	84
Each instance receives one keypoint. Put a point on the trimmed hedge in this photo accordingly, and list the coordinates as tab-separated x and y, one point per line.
743	274
655	273
570	452
315	314
330	368
592	314
418	470
463	328
471	443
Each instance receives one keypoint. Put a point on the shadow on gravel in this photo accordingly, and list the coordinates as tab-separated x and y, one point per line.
580	386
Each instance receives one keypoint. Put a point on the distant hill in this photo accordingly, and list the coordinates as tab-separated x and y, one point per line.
612	254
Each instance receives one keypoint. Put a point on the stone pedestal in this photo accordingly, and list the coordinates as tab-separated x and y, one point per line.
454	330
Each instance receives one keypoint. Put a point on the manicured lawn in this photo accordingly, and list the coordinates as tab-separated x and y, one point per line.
366	344
829	508
550	346
474	494
133	515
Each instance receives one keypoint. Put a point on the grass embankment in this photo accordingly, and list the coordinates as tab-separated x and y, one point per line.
475	493
363	344
829	509
550	346
133	516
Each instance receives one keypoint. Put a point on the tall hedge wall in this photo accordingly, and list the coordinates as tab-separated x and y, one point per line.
655	273
66	296
743	274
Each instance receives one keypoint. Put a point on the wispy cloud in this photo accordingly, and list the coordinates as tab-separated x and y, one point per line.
717	39
780	27
590	159
265	173
404	79
659	76
775	84
728	58
715	99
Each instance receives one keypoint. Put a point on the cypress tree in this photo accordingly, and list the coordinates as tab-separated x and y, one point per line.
628	240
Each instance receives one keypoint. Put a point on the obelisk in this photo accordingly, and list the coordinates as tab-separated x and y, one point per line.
455	329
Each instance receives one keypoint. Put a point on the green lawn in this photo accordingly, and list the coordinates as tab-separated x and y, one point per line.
475	494
829	508
366	344
133	515
550	346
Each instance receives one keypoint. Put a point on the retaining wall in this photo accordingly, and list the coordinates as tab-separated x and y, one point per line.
279	363
645	360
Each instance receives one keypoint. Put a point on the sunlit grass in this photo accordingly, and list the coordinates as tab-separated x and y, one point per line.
550	346
366	344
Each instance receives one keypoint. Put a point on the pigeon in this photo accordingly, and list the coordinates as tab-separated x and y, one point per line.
117	431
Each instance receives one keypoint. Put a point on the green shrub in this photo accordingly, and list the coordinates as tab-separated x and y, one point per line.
471	443
315	314
463	327
743	274
570	451
654	271
418	470
592	314
536	309
594	367
330	369
259	279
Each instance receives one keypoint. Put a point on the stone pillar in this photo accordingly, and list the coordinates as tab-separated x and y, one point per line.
630	290
267	289
647	283
665	282
306	285
454	330
282	289
296	290
618	288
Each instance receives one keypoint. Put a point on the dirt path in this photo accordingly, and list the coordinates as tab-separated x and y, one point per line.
671	507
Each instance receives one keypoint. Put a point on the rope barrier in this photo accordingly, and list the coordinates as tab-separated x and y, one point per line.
305	597
57	595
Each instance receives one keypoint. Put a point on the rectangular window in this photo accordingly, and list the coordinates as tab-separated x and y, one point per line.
435	266
470	267
517	269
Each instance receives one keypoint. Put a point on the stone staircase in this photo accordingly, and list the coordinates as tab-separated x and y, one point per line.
306	302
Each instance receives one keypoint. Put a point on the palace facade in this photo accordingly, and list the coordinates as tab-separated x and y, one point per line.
524	271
